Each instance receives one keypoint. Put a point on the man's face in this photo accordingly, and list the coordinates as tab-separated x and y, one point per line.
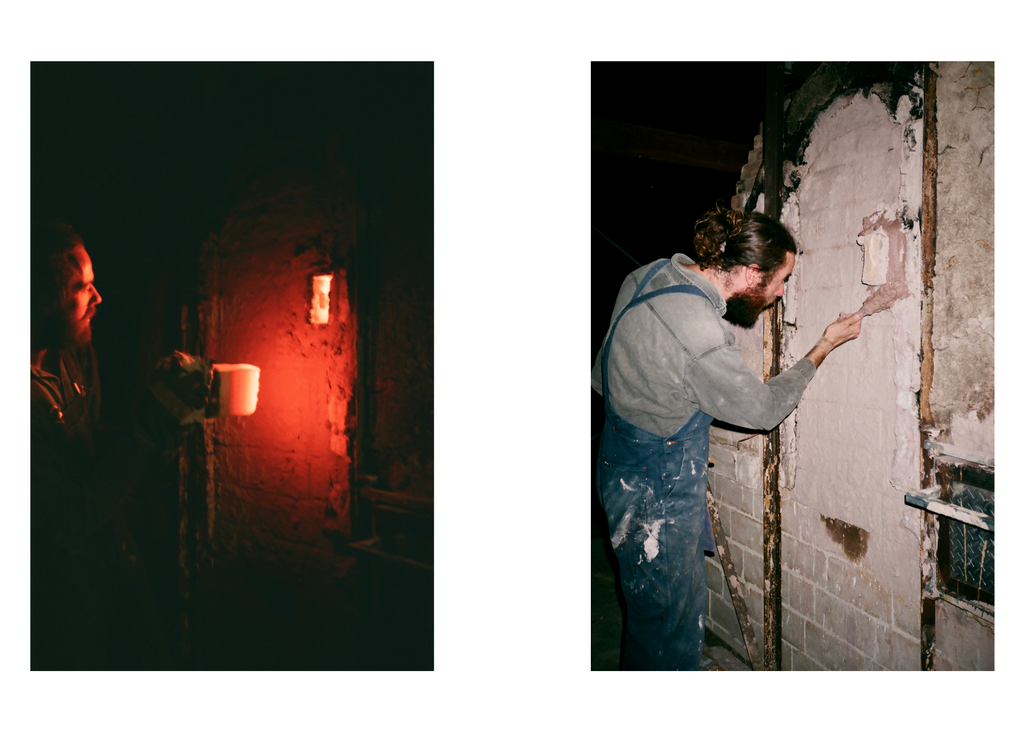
81	302
743	308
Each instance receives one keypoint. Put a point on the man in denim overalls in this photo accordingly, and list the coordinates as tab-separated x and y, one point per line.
668	366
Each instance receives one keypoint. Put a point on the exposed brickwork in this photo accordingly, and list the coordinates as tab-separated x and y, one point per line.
737	505
283	474
749	173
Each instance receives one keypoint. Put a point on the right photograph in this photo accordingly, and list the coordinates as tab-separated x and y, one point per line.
793	366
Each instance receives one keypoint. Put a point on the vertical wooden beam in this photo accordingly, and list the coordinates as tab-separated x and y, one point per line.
774	126
185	476
367	280
207	327
773	130
929	221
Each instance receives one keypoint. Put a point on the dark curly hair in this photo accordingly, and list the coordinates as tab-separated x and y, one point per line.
725	239
52	264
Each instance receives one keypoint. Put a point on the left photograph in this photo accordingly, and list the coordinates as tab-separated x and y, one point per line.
232	366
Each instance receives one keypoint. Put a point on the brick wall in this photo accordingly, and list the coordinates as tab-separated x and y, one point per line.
735	482
850	547
280	474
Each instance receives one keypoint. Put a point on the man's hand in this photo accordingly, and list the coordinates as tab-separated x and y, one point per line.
846	328
176	403
188	379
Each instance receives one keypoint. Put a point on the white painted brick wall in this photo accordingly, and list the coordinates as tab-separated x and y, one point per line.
836	614
738	506
841	610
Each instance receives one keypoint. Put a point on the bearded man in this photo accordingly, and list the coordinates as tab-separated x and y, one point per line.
91	608
669	364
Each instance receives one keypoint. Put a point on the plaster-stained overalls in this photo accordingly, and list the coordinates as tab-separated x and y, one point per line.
652	489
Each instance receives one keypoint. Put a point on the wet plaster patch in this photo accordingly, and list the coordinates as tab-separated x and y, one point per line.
878	227
853	539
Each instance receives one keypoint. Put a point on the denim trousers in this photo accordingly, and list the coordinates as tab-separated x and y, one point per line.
653	494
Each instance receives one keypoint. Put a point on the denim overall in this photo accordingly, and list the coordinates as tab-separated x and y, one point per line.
652	489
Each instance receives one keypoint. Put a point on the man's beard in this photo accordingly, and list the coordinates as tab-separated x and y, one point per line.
78	334
68	333
743	308
55	330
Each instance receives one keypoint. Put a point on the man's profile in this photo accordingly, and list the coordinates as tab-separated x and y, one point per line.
90	607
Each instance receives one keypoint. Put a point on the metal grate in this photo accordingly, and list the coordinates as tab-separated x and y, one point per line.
972	549
960	563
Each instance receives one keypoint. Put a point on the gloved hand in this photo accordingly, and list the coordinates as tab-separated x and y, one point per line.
182	386
176	402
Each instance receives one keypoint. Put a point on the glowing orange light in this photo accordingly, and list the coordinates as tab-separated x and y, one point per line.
319	313
237	388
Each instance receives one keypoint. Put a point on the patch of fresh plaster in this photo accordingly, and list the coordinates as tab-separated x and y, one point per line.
880	227
790	218
906	340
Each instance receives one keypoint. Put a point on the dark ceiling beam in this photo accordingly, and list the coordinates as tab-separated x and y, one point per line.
618	138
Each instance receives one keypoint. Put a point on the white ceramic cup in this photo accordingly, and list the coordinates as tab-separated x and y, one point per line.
235	389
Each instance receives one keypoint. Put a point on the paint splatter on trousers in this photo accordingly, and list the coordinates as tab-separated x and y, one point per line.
652	490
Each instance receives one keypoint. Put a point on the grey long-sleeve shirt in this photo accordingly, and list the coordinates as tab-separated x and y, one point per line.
675	354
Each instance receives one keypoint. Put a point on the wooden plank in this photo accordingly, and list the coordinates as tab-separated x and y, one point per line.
929	501
412	503
369	546
618	138
772	455
930	522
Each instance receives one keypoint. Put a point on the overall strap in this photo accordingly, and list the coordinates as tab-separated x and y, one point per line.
657	267
637	299
42	396
73	385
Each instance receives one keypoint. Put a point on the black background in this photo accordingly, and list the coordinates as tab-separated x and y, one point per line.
648	208
145	159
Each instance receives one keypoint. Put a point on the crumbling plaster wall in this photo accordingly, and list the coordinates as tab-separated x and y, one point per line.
280	478
850	552
962	396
